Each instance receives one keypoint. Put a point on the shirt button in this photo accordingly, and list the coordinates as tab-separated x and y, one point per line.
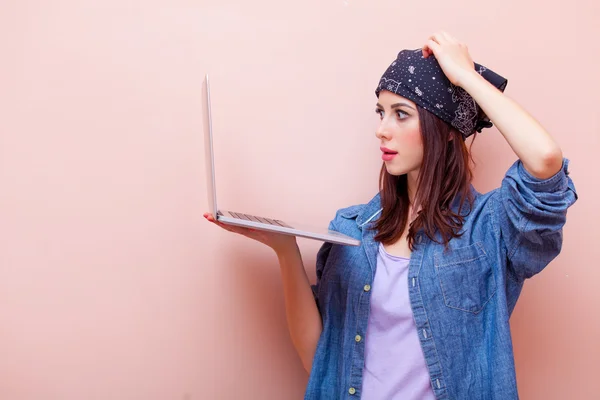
367	288
357	338
351	390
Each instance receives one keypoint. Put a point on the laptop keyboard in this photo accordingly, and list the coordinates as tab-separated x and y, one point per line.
263	220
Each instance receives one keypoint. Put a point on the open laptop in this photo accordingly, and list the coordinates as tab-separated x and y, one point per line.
252	221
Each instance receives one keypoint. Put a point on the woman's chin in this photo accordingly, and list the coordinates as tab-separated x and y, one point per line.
398	170
394	170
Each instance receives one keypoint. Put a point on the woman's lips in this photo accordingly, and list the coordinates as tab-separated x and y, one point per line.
388	154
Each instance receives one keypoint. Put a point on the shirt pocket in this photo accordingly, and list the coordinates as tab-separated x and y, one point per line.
466	277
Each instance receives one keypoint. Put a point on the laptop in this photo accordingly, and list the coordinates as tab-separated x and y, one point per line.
253	221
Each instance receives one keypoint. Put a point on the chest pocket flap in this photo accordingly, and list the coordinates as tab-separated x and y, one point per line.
466	277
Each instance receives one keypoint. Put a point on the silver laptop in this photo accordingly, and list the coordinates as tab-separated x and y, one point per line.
253	221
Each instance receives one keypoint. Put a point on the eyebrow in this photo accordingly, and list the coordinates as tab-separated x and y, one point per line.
396	105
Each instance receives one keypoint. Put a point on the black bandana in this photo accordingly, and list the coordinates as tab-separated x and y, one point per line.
422	81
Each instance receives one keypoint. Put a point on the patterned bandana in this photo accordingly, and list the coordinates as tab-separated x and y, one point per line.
422	80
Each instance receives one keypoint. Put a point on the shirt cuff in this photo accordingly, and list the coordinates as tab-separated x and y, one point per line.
556	183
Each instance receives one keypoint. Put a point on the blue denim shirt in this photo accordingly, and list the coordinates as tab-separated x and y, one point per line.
461	298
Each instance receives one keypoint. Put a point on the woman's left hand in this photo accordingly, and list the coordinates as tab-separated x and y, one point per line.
453	56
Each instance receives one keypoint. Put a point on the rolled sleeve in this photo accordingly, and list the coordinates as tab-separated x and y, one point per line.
322	256
532	213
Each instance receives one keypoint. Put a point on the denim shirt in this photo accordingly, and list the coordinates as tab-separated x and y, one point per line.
461	298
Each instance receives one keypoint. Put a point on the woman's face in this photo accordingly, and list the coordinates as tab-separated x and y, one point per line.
399	133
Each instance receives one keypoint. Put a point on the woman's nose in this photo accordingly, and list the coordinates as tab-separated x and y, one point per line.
381	131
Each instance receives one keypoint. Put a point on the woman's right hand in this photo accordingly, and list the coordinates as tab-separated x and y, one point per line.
276	241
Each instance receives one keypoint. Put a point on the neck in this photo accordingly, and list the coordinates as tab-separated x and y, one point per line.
412	184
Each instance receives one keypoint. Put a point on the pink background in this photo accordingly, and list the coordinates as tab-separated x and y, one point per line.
113	286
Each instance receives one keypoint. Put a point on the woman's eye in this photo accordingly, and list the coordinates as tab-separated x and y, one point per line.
401	114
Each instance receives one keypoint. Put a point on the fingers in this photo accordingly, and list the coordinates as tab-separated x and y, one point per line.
433	43
438	38
431	47
436	41
271	239
448	37
209	217
231	228
444	37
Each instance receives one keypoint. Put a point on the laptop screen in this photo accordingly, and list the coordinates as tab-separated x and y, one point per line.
209	153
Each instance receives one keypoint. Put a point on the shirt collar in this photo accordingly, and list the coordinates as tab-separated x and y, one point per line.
371	211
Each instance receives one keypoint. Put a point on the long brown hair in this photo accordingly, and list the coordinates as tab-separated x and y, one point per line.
445	173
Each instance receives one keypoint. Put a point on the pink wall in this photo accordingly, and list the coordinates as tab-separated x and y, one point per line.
112	285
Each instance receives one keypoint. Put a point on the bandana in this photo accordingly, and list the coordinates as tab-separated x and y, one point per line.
423	81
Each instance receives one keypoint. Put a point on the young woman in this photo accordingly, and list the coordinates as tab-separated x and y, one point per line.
420	310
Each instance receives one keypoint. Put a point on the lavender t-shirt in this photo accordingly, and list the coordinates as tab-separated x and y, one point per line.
394	364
